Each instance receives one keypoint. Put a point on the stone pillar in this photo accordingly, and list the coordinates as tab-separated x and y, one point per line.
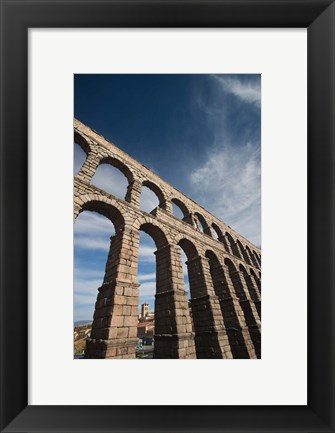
208	231
89	167
231	312
255	260
250	313
190	220
133	194
239	250
234	248
244	253
167	206
251	298
114	328
211	338
257	284
249	256
253	291
258	260
173	326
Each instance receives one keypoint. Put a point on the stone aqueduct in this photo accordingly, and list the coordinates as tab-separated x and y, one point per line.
224	320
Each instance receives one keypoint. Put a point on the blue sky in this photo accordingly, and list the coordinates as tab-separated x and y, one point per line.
201	133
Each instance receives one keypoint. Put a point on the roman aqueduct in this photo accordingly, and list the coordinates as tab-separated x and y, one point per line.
224	320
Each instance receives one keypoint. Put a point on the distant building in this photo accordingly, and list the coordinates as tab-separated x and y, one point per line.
144	311
145	329
150	317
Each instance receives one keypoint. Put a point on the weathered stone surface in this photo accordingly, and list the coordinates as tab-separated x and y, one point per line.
222	318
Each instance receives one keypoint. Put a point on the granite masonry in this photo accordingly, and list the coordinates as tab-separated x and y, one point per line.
222	319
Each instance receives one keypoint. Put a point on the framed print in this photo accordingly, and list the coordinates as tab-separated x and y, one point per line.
43	46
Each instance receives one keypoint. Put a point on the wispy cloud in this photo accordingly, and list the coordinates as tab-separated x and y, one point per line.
146	277
93	223
227	181
91	243
85	295
148	289
228	184
87	273
146	253
246	91
92	232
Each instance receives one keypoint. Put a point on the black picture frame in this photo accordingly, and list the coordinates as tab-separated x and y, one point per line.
318	16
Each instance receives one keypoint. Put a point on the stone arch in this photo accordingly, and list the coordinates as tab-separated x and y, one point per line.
204	306
81	153
228	309
235	278
188	247
202	221
212	256
218	231
247	309
182	207
220	237
193	267
249	283
85	263
233	245
252	257
99	204
157	191
257	279
150	226
205	227
243	251
171	307
156	233
258	260
117	163
82	141
220	283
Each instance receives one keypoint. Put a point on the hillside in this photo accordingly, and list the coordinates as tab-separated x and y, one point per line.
80	334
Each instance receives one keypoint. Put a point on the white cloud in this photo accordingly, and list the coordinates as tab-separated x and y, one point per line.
228	180
146	253
89	300
91	243
148	289
249	92
92	223
87	274
228	185
85	294
93	231
84	285
146	277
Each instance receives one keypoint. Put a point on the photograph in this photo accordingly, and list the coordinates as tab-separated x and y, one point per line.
167	211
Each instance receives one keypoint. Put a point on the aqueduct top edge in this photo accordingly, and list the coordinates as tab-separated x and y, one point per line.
102	141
